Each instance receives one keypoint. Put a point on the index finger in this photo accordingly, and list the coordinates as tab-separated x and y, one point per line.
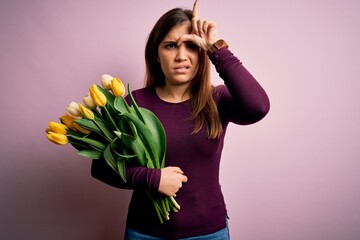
177	170
195	9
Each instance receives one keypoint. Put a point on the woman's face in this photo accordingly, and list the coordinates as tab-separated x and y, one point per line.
178	63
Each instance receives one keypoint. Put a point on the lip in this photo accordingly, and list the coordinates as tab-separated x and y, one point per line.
181	68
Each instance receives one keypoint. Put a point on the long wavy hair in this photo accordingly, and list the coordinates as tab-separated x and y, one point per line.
205	112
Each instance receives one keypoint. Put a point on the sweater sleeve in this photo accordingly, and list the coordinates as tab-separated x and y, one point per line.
137	178
242	100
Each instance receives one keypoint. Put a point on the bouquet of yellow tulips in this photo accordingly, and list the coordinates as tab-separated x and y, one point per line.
106	128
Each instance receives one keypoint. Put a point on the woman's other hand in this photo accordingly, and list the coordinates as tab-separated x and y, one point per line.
171	180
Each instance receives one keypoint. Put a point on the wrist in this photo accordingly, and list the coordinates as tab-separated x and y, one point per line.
216	45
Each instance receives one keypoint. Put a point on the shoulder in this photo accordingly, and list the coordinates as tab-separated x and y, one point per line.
141	92
142	95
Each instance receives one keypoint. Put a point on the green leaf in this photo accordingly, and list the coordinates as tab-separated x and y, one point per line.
124	136
121	168
97	115
76	134
77	144
110	159
121	105
143	131
93	143
92	154
127	156
123	148
138	148
126	152
110	116
134	105
88	124
157	132
150	164
99	127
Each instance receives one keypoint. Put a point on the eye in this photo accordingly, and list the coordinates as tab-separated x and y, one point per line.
191	45
170	45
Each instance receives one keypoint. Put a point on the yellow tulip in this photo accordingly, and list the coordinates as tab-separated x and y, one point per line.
85	112
106	81
68	121
97	96
81	129
87	100
73	109
117	87
57	128
57	138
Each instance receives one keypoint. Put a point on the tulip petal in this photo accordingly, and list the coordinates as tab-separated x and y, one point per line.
117	87
87	100
68	121
106	81
81	129
73	110
57	138
57	128
86	113
97	96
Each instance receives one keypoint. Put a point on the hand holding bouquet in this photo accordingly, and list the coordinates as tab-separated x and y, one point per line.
106	128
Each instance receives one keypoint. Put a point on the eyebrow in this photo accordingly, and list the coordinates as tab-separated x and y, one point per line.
172	42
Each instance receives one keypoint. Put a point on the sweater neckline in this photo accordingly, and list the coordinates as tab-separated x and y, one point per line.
169	103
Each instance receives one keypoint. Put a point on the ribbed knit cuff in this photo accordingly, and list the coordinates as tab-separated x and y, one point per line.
153	179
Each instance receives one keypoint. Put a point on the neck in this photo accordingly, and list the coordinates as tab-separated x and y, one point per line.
174	94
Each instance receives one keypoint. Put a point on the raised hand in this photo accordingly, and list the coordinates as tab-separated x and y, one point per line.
204	32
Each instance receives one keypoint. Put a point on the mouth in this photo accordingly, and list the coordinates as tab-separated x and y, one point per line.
181	68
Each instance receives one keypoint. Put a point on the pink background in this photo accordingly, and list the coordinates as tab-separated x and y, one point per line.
293	176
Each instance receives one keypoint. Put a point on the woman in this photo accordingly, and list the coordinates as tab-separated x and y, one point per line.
195	116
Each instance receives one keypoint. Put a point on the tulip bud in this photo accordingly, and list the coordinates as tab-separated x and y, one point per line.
57	128
117	87
73	110
85	112
106	81
87	100
57	138
68	121
81	129
97	96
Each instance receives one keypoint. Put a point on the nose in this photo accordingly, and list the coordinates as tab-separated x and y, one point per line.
181	54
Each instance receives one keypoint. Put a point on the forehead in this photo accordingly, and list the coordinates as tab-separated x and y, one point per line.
178	30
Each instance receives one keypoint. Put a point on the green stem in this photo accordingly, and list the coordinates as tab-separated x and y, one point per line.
111	119
176	205
108	138
157	208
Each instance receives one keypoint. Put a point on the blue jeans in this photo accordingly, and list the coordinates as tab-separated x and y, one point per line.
223	234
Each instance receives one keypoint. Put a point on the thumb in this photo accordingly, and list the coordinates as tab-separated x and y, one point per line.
185	179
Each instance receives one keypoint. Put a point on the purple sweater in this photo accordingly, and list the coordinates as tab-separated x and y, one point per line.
241	101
